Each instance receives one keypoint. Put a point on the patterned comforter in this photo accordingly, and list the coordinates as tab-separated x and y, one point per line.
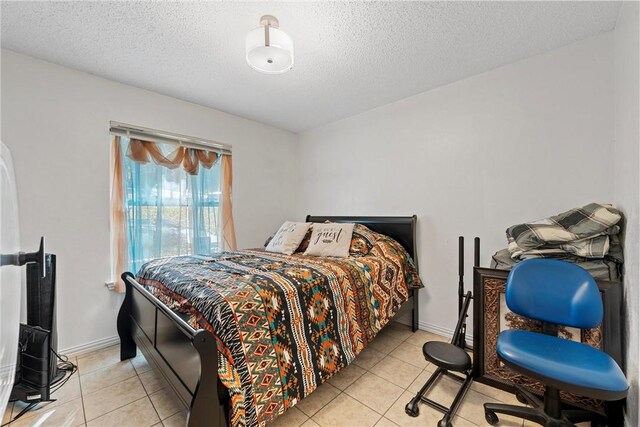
284	324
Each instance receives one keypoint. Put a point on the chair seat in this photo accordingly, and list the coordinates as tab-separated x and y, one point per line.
565	364
446	356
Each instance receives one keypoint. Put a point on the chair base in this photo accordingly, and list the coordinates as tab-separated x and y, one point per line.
412	408
548	413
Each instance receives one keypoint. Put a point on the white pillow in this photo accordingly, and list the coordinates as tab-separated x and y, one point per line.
288	237
330	239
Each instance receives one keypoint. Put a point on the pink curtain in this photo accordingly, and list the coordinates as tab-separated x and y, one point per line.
226	184
118	225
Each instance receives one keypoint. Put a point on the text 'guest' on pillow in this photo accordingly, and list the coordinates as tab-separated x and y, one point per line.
330	239
288	237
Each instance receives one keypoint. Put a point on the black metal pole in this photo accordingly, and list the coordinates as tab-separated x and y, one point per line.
460	272
476	252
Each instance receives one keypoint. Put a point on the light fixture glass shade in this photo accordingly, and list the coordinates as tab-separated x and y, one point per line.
277	58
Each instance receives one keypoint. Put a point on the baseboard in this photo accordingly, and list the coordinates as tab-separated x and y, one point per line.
107	342
91	346
443	332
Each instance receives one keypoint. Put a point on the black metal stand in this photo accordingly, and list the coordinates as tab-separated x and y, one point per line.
37	367
452	357
448	358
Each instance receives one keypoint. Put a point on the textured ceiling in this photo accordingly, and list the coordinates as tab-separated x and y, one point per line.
349	57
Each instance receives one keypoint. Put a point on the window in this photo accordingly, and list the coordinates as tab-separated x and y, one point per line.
171	195
168	211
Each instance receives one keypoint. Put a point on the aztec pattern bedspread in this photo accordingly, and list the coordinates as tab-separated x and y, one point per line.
284	324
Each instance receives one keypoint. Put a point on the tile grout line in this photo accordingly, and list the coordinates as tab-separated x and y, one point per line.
405	390
384	379
147	393
354	398
394	402
411	364
154	406
119	407
373	409
84	412
327	404
402	341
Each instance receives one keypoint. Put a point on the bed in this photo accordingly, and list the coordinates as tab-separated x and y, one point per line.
170	314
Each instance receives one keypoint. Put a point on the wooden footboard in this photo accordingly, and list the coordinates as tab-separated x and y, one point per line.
185	357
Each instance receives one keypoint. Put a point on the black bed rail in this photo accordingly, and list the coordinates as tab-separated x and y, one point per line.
127	277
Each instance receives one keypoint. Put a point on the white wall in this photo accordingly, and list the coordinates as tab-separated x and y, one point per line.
56	122
627	182
471	158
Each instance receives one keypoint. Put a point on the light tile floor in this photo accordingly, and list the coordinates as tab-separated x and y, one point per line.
371	392
106	392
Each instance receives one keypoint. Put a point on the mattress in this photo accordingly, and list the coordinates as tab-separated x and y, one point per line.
284	324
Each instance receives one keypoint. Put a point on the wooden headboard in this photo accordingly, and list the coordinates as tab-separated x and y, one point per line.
400	228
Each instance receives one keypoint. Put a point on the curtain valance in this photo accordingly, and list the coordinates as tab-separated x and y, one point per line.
190	158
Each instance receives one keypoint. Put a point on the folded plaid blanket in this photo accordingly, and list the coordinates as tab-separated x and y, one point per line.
586	236
583	232
607	268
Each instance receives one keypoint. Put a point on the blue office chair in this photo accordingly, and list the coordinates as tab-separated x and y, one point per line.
556	293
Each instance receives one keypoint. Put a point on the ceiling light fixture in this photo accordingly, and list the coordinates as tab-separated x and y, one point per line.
269	49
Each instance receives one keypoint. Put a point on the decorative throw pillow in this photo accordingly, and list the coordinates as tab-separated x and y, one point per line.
288	237
362	241
330	239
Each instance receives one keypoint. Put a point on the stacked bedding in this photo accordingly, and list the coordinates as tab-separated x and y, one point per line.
587	236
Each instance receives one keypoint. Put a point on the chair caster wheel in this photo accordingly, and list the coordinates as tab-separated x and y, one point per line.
442	423
521	398
491	417
412	409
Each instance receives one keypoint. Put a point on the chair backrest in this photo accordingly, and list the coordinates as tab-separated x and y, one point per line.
554	291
